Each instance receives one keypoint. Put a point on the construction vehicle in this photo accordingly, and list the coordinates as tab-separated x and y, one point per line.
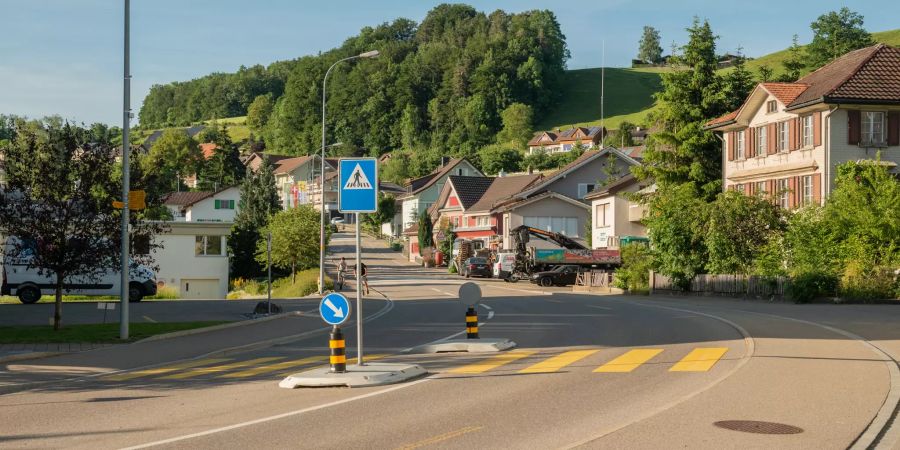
530	260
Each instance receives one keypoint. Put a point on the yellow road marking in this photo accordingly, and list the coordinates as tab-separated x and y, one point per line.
214	369
559	361
274	367
630	360
350	360
148	319
699	360
493	363
440	438
162	370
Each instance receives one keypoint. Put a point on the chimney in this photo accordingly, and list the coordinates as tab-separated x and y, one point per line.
445	160
501	174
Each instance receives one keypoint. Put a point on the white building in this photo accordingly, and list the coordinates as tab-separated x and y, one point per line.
194	259
207	206
614	215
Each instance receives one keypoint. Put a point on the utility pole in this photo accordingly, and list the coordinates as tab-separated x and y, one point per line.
126	168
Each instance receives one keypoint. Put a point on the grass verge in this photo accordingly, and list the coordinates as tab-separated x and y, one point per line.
92	333
281	288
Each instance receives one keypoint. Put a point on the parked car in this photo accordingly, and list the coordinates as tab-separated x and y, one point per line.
562	275
476	266
337	220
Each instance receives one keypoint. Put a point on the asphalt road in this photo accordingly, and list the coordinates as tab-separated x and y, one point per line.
589	371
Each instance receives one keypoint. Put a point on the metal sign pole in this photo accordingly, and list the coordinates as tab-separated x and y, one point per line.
359	282
126	154
269	265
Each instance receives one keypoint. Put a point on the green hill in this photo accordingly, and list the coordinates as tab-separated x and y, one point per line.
628	92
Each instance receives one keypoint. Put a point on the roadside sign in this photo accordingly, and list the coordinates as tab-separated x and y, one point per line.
470	293
358	189
334	309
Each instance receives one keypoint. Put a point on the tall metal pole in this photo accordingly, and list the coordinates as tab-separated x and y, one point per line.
126	168
359	283
369	54
269	264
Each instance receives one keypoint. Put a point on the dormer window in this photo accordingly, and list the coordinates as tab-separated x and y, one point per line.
771	106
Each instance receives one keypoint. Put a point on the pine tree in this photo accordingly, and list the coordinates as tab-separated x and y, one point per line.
794	64
259	200
737	84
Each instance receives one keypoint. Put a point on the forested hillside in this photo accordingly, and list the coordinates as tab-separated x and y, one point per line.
439	86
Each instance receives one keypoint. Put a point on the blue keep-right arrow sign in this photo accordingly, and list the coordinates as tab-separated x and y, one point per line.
334	309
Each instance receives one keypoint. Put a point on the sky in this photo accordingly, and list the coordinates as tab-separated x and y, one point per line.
65	57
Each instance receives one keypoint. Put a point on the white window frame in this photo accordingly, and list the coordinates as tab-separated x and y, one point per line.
483	221
771	107
203	241
872	131
762	141
761	187
806	189
739	188
568	225
806	131
740	145
783	187
601	212
783	137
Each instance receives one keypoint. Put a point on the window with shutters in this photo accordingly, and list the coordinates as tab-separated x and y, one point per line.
784	193
806	131
872	132
761	187
771	106
806	189
761	140
783	143
739	187
584	189
224	204
739	145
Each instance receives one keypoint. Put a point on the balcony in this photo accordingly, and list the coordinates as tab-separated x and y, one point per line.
636	212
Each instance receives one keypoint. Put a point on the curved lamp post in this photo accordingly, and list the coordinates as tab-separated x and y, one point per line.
369	54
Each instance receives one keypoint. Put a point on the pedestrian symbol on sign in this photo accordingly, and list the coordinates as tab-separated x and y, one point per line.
358	180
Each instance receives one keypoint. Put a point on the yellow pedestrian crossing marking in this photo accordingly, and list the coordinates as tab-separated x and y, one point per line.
495	362
274	367
559	361
629	361
699	360
162	370
215	369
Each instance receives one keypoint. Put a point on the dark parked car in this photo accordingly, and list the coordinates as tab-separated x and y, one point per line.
477	267
559	276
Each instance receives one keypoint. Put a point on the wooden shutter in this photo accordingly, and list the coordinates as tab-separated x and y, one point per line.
773	138
770	190
893	128
729	142
853	128
792	196
746	188
817	129
750	142
792	135
797	135
817	188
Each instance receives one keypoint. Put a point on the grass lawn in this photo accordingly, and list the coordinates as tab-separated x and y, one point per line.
281	288
628	92
107	332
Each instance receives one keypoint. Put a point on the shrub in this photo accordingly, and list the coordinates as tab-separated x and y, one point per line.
634	275
165	293
807	286
451	268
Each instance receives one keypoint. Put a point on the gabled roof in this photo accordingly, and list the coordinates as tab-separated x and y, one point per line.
503	188
208	149
570	135
509	206
585	158
420	184
786	93
185	199
469	189
612	188
289	164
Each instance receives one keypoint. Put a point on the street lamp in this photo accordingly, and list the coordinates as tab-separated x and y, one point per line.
369	54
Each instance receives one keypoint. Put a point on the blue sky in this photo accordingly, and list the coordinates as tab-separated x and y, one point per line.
65	56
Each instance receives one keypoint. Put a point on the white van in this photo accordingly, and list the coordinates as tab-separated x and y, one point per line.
504	265
27	284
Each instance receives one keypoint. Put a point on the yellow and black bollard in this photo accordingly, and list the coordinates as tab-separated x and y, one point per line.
471	323
338	353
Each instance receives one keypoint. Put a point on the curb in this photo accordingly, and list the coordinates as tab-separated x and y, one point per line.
29	355
223	326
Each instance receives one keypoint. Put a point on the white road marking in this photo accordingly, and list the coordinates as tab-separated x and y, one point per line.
527	291
443	292
490	315
276	417
485	306
599	307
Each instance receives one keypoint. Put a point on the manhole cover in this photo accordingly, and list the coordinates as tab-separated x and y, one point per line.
754	426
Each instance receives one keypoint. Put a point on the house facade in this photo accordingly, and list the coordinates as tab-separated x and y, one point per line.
614	215
297	180
209	206
194	259
565	140
787	139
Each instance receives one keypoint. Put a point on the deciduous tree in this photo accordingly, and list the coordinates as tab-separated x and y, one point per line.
834	34
294	243
649	49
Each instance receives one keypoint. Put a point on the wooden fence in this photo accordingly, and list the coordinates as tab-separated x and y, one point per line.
734	285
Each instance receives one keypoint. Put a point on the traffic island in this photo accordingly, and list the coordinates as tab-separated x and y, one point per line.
370	374
465	345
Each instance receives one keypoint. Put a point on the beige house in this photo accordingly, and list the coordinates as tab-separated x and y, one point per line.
787	139
614	215
566	140
194	259
296	180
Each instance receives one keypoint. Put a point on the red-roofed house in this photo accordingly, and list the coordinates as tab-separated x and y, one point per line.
787	139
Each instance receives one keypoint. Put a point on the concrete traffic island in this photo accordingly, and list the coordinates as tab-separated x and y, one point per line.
465	345
370	374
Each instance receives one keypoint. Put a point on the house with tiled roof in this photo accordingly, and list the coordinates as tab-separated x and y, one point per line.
613	213
565	140
298	183
255	159
422	192
787	139
204	206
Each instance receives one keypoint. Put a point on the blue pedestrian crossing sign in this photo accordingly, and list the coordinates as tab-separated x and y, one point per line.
358	189
334	309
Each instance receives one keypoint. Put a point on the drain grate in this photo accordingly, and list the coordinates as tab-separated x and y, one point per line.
754	426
